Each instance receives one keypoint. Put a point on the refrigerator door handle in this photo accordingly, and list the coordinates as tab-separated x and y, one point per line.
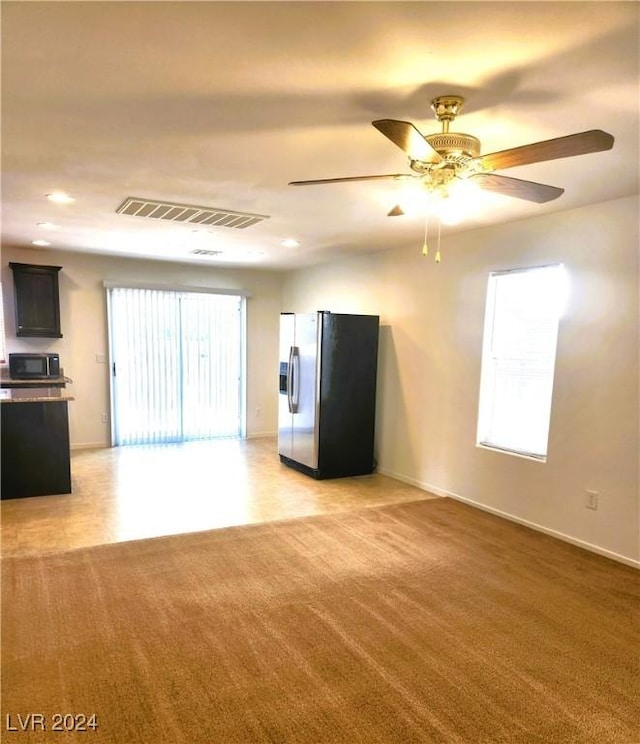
296	379
292	379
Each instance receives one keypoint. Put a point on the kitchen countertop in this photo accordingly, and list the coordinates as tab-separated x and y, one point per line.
42	382
35	395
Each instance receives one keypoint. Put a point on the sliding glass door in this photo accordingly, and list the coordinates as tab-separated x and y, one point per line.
177	365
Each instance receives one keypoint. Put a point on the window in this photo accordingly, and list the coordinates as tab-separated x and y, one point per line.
518	359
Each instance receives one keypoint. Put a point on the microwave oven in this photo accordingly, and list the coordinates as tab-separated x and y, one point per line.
33	366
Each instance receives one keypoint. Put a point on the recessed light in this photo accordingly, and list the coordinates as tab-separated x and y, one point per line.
40	242
290	243
60	197
48	226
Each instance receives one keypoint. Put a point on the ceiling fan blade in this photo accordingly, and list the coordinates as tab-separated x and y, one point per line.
393	176
407	138
595	140
529	190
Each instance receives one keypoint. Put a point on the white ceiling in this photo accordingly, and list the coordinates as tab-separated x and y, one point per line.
222	104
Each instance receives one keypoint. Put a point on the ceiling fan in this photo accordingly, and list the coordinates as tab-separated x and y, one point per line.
440	160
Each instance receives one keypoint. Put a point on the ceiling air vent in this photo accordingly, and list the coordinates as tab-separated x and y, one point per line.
188	213
205	252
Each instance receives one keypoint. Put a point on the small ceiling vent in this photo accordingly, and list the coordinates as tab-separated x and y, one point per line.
205	252
188	213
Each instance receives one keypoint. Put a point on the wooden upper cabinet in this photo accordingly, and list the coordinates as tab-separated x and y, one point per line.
37	300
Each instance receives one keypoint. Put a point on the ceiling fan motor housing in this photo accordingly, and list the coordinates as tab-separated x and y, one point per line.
453	145
457	151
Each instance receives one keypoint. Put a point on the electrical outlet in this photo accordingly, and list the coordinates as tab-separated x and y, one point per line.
105	418
592	500
101	359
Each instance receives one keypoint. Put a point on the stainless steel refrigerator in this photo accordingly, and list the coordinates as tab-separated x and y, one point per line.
327	393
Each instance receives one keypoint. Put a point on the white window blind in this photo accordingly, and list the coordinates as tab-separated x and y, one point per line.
177	360
3	341
518	359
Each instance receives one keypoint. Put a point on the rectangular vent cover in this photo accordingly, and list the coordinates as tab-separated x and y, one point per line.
205	252
188	213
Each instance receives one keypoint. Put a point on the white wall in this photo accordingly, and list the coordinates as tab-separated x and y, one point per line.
84	326
431	336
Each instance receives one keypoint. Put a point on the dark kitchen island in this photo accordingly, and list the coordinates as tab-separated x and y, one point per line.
35	441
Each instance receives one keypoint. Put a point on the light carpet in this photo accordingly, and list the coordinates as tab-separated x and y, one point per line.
426	621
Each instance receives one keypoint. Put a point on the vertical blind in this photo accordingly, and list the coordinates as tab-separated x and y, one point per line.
3	342
518	360
178	365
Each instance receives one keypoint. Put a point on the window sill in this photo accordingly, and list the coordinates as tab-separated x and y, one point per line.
514	453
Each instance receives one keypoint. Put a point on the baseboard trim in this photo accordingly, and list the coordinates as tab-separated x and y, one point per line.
513	518
107	445
89	445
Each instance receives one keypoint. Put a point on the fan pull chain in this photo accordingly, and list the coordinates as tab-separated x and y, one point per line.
425	247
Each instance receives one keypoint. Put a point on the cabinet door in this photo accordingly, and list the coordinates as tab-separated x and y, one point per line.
37	302
34	444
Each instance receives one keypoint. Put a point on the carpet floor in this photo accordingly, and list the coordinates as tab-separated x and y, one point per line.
426	621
